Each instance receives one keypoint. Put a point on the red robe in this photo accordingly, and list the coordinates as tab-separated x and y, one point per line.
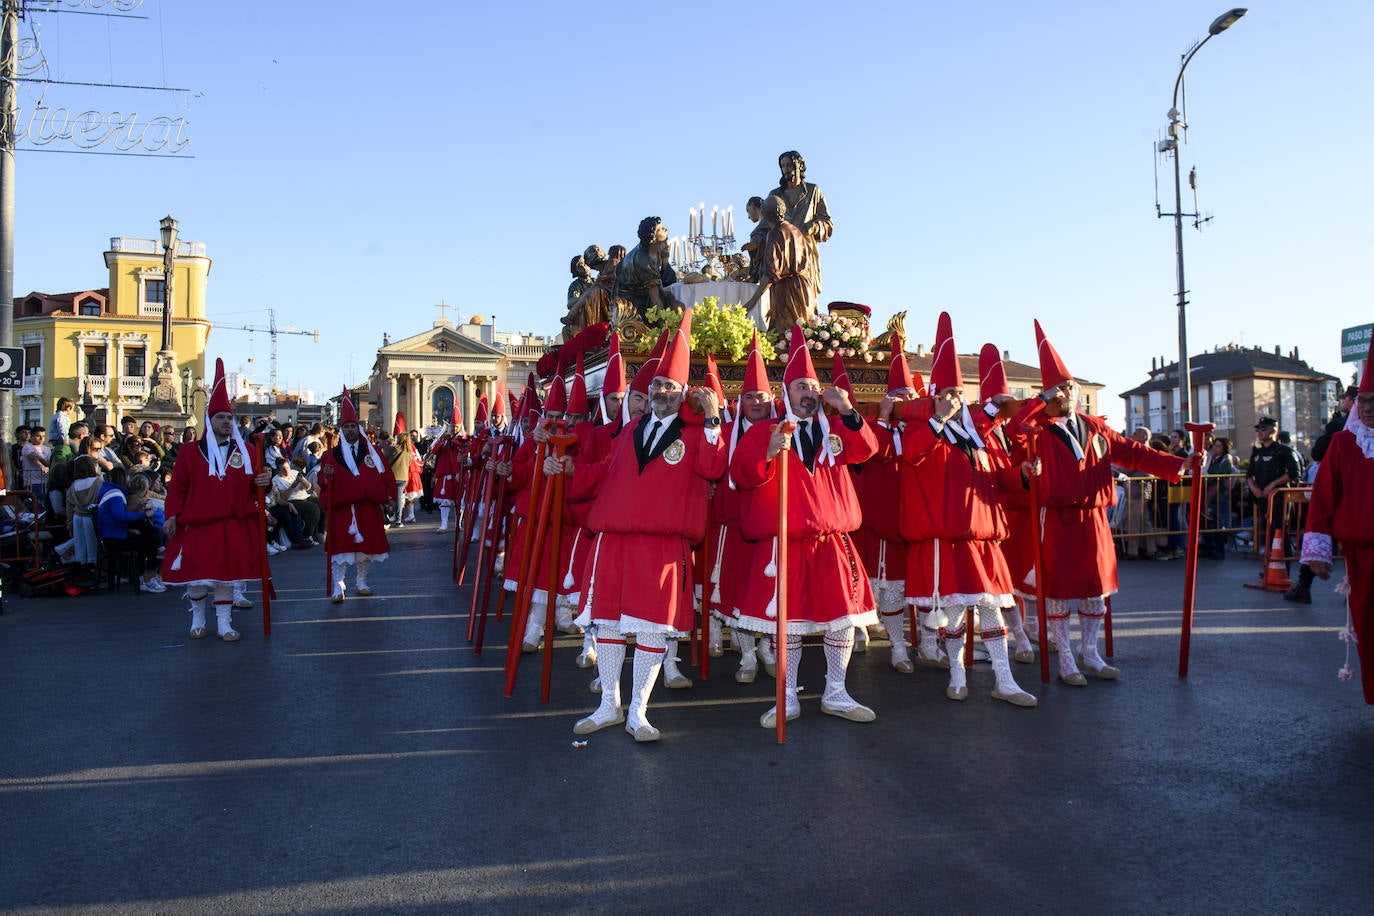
827	585
593	443
1077	551
647	517
952	515
730	551
448	455
347	498
878	484
1342	508
217	530
522	478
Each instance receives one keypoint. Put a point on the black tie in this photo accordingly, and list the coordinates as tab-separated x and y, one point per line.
811	440
652	436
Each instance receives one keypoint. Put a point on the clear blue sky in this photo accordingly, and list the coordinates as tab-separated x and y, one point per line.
355	163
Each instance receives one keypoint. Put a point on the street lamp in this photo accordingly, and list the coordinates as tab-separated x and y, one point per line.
1185	372
169	250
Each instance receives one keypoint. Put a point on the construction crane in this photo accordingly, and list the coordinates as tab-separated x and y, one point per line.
272	331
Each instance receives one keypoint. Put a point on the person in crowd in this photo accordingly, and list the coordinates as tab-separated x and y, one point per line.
116	526
83	496
1216	507
60	427
35	459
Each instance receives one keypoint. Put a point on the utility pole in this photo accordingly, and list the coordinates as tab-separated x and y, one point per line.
9	67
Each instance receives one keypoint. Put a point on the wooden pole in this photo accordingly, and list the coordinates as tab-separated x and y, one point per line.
1199	433
780	640
1037	552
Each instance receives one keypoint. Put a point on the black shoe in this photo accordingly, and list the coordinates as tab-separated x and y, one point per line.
1298	594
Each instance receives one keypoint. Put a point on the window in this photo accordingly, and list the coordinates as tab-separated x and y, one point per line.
90	307
135	362
154	291
33	359
95	359
33	417
442	346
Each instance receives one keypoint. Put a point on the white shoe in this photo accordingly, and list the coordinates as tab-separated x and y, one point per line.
441	530
241	603
770	718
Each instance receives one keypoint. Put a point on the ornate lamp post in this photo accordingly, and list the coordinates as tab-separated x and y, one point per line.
1170	145
165	400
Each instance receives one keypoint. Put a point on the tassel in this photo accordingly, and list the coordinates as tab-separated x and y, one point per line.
176	564
1348	637
568	576
771	570
353	526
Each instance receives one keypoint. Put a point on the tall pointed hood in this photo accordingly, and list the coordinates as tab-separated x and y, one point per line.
992	376
1053	372
840	378
398	426
613	382
646	372
577	398
558	396
713	380
944	368
219	394
798	360
898	372
347	412
755	372
481	419
678	356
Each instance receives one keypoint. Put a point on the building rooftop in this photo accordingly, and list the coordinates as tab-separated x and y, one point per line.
1230	362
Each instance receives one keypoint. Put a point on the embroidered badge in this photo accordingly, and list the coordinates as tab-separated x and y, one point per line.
236	460
369	462
674	452
836	445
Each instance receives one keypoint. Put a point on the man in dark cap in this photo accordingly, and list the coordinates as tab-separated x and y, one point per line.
1272	465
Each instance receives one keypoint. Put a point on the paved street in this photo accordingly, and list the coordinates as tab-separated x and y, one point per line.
363	759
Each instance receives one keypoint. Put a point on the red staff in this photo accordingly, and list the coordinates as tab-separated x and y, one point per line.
466	494
498	534
1199	433
484	505
704	606
535	531
260	499
328	513
488	542
560	443
1039	564
780	639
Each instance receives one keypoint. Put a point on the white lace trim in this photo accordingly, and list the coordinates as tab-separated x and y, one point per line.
1364	436
353	557
1316	548
806	627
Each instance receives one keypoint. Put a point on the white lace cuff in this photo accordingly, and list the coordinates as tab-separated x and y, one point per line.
1316	548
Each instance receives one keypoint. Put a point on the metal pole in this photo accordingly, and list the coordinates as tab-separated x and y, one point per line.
9	65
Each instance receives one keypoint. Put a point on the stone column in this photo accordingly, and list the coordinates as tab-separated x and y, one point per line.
469	401
389	408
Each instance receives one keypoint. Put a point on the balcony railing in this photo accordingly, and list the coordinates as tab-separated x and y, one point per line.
100	385
33	384
135	386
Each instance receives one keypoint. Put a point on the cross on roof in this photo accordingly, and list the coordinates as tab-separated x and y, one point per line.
443	308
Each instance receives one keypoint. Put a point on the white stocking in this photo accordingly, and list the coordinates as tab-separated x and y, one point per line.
336	572
1017	627
1059	632
794	651
954	648
839	646
745	642
894	624
714	637
1088	628
649	651
929	645
610	659
443	518
197	594
672	677
534	627
364	563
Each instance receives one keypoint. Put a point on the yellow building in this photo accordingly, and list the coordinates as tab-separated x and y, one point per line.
106	340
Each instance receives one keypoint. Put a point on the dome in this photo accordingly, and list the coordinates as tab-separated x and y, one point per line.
478	319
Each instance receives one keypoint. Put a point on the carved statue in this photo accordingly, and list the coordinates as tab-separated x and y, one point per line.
594	303
639	278
753	209
896	323
787	270
806	207
582	279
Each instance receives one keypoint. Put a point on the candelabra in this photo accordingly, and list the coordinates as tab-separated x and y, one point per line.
699	248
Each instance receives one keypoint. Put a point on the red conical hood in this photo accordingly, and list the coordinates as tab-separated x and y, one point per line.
398	427
613	382
347	413
679	354
992	377
944	368
481	419
1053	372
840	376
457	418
898	372
558	396
646	372
798	360
498	403
713	380
755	373
577	399
1367	380
219	393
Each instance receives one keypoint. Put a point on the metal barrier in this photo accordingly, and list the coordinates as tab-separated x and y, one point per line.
1150	519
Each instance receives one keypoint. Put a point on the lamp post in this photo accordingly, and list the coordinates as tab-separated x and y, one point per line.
1185	372
165	401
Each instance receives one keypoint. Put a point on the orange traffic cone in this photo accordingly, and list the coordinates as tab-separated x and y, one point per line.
1275	569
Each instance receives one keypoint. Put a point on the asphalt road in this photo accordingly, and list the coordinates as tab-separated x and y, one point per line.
363	759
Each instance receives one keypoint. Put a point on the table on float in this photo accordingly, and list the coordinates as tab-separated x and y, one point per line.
727	292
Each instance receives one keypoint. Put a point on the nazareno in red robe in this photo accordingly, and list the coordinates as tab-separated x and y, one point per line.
827	585
1342	510
217	531
639	574
953	519
349	498
1079	559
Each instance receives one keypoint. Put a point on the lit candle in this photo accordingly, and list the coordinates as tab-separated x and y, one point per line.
730	220
691	220
701	226
714	210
